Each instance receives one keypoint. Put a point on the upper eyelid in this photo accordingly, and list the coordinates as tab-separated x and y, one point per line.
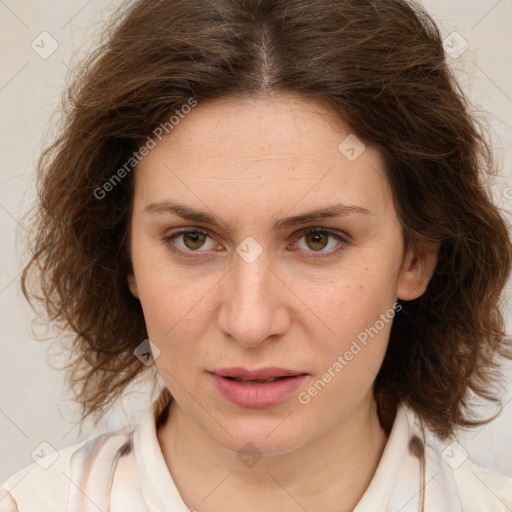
300	231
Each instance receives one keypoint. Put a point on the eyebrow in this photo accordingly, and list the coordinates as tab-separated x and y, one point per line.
185	212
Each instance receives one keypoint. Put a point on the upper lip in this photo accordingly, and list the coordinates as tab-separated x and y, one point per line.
260	373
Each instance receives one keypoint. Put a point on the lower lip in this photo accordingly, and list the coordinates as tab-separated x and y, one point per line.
257	395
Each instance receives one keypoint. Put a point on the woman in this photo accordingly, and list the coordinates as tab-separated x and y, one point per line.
287	199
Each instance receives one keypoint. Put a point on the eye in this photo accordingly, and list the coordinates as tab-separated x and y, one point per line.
318	239
185	242
192	240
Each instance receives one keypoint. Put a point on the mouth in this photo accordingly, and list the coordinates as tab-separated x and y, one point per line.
256	381
265	387
261	374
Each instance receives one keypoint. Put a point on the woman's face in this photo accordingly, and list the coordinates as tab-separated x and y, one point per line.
232	281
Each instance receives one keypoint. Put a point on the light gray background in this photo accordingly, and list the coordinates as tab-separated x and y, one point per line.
32	405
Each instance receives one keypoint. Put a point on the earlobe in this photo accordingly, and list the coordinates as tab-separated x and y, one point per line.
132	285
418	268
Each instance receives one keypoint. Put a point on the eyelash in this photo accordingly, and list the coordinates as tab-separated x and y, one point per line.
168	238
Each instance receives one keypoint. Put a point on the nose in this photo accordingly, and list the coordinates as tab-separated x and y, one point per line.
253	310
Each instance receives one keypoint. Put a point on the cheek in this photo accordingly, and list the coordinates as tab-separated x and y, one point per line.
179	315
352	300
173	311
357	308
170	295
348	361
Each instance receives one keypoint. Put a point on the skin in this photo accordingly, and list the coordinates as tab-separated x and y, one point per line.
251	162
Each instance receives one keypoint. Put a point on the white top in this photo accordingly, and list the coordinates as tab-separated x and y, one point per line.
125	471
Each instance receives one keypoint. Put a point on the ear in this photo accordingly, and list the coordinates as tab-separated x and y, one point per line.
418	267
132	285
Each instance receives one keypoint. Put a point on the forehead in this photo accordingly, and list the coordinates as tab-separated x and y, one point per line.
266	152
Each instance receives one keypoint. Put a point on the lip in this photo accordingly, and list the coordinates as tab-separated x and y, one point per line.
257	395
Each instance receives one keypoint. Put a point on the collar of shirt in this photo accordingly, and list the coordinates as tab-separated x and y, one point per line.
396	484
125	471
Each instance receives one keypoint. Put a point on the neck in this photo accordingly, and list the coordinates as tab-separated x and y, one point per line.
330	473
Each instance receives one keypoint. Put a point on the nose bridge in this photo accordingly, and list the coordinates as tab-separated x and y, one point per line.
250	310
251	283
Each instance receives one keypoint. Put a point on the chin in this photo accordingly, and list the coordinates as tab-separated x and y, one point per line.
266	437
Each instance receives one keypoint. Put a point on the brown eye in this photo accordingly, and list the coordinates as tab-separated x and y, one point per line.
194	239
317	241
189	241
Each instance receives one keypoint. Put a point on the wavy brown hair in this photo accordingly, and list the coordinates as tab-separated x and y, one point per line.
380	66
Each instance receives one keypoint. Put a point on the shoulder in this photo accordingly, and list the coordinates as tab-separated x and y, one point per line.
481	488
439	475
477	488
53	482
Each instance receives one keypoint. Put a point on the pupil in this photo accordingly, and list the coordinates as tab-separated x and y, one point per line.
194	238
316	239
